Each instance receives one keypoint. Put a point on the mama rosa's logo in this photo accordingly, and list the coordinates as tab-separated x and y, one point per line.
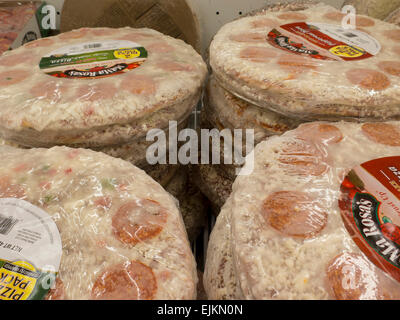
187	147
365	211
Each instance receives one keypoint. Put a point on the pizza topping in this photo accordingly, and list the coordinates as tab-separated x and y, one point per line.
293	16
296	64
50	90
159	47
300	157
249	37
99	91
392	34
8	78
391	67
8	189
16	59
264	23
383	133
294	214
258	54
173	66
320	133
128	281
138	221
368	79
139	84
58	293
39	43
352	277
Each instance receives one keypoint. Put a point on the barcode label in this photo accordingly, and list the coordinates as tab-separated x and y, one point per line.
6	224
350	35
93	46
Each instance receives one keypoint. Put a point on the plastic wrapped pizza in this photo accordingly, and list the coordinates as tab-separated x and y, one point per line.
78	224
316	219
97	87
311	64
394	17
13	18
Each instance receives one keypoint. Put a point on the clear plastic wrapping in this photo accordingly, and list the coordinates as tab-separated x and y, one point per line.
394	17
122	234
303	65
13	18
93	87
379	9
223	109
317	217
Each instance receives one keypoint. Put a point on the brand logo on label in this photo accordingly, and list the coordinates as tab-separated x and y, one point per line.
382	240
283	42
97	72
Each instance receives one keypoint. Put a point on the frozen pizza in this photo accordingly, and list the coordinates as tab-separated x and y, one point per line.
13	18
394	17
99	86
223	109
305	64
316	219
120	234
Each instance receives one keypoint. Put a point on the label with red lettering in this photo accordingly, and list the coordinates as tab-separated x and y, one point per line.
370	207
30	251
324	41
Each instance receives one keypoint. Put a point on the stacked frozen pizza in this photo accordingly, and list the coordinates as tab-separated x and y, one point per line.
100	226
13	18
103	89
297	63
316	219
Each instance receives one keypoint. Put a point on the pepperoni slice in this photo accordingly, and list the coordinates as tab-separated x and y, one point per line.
159	47
294	214
302	158
75	34
320	133
391	67
139	84
258	54
8	78
396	50
39	43
352	277
297	64
128	281
382	133
173	66
100	32
264	23
14	59
360	21
292	16
11	190
49	90
99	91
392	34
248	37
138	221
368	79
58	293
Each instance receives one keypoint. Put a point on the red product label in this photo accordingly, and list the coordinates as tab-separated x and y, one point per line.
313	40
370	207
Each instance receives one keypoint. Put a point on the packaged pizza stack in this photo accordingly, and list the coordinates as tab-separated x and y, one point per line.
14	17
316	219
297	63
80	225
105	89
